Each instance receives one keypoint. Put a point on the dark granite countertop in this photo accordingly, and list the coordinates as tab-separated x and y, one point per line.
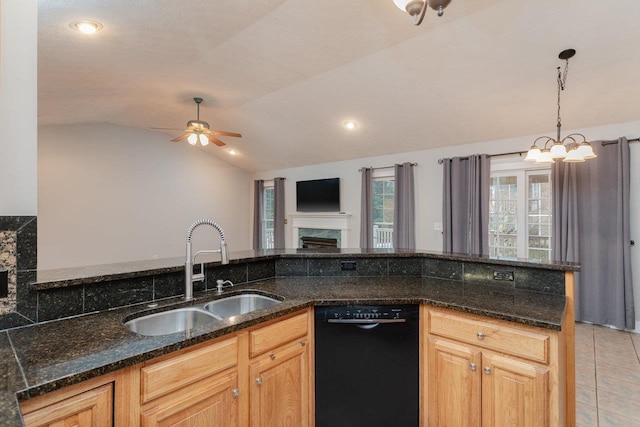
40	358
64	277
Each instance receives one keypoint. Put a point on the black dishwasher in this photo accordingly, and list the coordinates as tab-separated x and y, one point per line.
367	366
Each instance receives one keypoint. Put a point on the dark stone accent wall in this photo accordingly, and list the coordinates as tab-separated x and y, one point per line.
23	310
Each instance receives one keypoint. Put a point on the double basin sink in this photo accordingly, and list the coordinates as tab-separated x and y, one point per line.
186	318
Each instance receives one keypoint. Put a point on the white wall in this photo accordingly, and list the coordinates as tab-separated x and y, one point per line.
110	194
429	185
18	107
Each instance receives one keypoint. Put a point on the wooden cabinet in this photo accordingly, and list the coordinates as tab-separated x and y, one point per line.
454	382
280	374
515	393
80	408
198	387
490	373
209	402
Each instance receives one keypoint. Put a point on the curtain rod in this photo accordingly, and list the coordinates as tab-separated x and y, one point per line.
386	167
272	179
520	153
605	143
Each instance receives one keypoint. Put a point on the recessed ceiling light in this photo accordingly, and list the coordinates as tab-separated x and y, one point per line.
233	152
350	124
86	27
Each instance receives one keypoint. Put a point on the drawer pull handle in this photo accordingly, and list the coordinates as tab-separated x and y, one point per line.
473	367
258	380
236	392
302	343
487	370
272	356
480	335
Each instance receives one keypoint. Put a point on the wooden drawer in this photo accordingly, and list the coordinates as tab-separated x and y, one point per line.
163	377
518	342
282	332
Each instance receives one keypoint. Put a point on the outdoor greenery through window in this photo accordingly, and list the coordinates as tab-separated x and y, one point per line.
520	212
268	218
383	211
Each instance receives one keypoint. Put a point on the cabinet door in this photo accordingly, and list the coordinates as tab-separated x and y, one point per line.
280	387
209	402
92	408
454	388
514	393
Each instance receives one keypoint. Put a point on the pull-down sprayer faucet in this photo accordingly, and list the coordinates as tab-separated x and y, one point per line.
189	277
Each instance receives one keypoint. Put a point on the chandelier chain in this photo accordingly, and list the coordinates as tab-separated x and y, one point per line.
562	81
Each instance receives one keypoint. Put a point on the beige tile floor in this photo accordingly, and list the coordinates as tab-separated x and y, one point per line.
607	377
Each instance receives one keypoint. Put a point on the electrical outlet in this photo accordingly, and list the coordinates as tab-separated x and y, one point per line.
437	226
348	265
506	275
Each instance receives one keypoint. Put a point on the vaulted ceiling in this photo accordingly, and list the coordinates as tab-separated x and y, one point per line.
288	73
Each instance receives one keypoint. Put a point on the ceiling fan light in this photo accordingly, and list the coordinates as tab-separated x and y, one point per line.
193	139
533	154
203	139
402	4
558	151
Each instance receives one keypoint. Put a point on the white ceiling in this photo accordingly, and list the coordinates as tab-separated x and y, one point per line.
287	73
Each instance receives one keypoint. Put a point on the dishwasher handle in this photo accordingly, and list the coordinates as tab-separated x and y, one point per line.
366	321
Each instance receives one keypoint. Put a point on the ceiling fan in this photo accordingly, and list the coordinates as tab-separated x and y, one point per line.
199	131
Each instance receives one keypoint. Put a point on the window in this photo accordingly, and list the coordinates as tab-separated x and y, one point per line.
520	211
268	216
383	209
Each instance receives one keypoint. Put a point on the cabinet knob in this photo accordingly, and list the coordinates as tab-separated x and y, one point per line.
235	392
487	370
258	380
272	356
473	367
480	335
303	343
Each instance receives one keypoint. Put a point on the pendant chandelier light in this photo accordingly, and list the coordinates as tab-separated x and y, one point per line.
418	8
572	148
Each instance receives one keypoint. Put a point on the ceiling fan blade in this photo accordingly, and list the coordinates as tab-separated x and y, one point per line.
215	140
223	133
180	138
165	128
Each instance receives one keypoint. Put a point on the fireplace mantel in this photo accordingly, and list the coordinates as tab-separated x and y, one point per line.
324	221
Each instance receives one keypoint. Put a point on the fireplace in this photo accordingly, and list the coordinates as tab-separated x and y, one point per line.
320	226
311	242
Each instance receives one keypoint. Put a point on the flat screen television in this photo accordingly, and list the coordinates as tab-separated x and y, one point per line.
318	195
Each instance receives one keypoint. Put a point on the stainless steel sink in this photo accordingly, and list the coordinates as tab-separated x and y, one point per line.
239	304
170	322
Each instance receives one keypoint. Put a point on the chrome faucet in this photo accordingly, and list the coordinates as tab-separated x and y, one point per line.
189	277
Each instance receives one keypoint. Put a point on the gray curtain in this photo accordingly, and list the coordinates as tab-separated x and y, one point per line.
404	234
366	209
592	226
258	210
278	223
465	207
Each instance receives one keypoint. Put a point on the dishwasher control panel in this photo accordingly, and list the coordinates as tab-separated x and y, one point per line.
367	312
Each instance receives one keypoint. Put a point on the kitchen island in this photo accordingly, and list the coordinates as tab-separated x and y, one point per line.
50	356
